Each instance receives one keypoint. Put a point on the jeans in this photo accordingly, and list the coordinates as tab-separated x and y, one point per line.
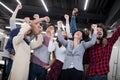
102	77
37	72
8	68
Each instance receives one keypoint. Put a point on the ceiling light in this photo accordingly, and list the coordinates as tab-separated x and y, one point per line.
6	7
1	33
18	2
7	37
44	5
86	4
7	27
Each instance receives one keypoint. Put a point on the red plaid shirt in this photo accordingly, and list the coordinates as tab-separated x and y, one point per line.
98	56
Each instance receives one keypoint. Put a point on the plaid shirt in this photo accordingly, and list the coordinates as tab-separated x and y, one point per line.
98	56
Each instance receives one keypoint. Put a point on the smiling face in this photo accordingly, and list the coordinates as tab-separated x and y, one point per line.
78	35
50	30
99	32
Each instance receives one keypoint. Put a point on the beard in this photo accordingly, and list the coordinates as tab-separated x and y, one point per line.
100	40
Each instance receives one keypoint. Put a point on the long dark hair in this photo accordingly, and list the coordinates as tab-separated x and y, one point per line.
83	34
59	44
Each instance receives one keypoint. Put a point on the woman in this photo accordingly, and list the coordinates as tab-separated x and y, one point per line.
40	59
73	67
59	50
22	46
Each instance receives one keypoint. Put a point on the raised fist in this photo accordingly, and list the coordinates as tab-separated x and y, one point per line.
36	16
47	19
19	6
75	11
66	16
94	26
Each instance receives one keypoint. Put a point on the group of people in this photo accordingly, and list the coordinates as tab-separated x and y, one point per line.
63	58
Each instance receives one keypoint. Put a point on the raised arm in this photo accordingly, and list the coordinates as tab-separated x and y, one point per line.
21	35
60	37
114	37
13	17
35	43
94	37
73	24
67	26
36	21
73	20
34	25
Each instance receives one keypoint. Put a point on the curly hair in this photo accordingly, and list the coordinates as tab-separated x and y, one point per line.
100	25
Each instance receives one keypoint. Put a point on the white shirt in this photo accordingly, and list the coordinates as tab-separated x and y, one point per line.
59	51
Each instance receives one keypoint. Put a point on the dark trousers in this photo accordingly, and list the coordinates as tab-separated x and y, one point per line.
37	72
102	77
71	74
8	68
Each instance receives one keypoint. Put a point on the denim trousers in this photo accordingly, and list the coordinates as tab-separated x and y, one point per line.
8	68
37	72
102	77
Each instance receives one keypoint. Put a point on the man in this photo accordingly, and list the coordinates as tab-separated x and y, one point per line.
98	56
87	33
40	59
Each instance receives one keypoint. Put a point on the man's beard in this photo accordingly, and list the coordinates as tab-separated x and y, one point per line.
100	40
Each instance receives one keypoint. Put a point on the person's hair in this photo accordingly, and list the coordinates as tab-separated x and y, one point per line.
83	34
59	44
100	25
26	17
50	25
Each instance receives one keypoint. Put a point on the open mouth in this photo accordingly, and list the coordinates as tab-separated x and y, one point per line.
99	33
